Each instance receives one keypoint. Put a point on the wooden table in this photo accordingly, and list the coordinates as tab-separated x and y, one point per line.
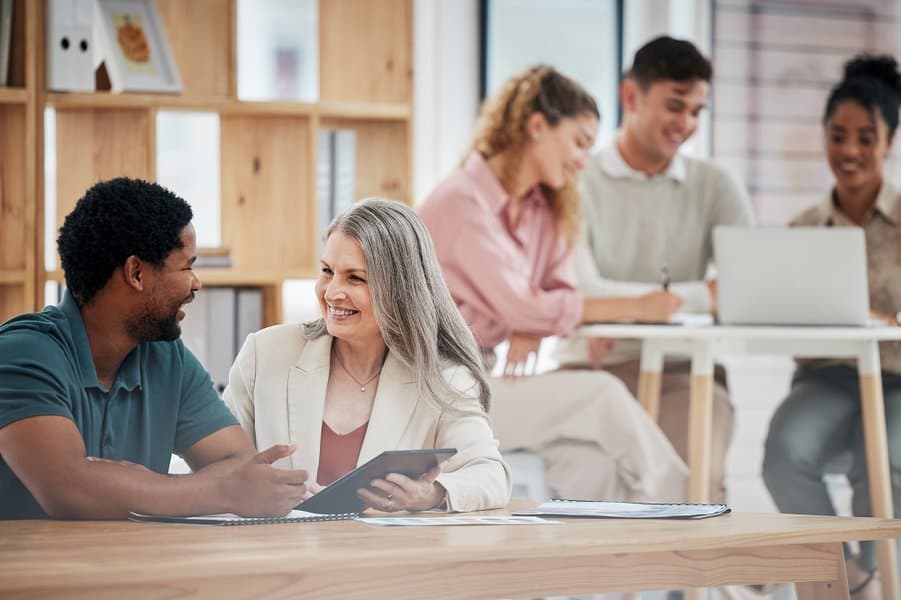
346	560
704	343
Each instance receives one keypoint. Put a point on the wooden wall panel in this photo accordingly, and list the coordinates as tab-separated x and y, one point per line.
781	66
97	144
843	27
268	217
366	50
14	222
17	49
12	301
785	139
779	209
199	33
744	98
777	174
382	158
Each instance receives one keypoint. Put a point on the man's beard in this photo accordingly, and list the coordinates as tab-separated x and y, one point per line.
149	328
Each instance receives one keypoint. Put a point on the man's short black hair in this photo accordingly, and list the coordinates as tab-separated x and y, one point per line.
668	58
114	220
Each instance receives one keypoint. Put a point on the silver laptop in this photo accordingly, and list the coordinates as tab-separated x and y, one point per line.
791	276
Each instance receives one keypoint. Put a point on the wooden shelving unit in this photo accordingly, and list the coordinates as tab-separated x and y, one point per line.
267	149
9	95
20	153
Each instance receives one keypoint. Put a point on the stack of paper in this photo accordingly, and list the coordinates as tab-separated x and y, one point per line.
625	510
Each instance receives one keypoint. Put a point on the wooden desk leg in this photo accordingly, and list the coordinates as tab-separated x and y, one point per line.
649	379
829	590
693	594
700	433
876	440
649	392
700	423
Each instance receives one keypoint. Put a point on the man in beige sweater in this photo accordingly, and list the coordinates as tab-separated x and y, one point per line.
648	210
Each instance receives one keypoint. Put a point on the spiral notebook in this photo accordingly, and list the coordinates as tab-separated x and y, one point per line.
624	510
295	516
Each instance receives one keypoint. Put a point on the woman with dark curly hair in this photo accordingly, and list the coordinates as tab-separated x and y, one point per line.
821	417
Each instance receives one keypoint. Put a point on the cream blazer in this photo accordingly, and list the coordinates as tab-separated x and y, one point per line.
276	389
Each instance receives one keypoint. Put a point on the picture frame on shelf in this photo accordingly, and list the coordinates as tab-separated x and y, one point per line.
133	45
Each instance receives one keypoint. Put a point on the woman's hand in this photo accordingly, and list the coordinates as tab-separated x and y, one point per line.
598	351
714	296
886	318
522	348
312	488
399	492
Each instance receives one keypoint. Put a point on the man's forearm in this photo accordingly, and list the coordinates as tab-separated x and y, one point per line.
110	490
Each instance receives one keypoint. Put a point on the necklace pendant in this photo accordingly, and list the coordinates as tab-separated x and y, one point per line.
362	389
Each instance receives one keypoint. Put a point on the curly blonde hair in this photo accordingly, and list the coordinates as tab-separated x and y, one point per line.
501	130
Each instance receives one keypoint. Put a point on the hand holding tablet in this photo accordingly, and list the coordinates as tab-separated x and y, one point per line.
393	472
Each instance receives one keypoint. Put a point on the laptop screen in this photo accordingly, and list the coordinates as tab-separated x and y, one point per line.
791	276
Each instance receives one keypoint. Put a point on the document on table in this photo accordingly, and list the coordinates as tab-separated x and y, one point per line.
295	516
454	520
680	319
624	510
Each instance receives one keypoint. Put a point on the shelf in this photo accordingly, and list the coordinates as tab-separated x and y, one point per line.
230	277
348	110
13	276
13	95
212	277
268	149
366	110
107	100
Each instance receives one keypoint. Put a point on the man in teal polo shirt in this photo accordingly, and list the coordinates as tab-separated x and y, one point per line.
98	392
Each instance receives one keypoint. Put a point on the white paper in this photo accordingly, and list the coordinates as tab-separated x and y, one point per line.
452	520
625	510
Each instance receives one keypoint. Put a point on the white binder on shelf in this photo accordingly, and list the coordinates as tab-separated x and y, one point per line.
195	327
221	334
325	155
70	45
345	170
248	315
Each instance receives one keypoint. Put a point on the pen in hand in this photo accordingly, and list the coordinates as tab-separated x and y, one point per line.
664	277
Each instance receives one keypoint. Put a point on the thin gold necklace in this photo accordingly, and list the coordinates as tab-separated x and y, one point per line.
362	384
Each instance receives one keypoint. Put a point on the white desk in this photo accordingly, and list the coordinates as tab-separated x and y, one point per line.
704	343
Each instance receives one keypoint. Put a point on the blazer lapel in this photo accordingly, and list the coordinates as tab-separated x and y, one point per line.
307	384
395	401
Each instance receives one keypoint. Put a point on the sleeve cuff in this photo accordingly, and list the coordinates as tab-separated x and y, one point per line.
570	314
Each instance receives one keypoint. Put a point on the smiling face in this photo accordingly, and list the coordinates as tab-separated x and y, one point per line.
343	291
662	117
171	286
557	153
857	142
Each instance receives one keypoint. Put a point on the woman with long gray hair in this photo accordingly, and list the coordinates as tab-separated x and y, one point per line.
390	365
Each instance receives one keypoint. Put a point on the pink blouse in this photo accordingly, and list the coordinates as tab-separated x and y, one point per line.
502	279
338	454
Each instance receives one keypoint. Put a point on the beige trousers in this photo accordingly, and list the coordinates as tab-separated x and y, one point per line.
675	395
596	440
